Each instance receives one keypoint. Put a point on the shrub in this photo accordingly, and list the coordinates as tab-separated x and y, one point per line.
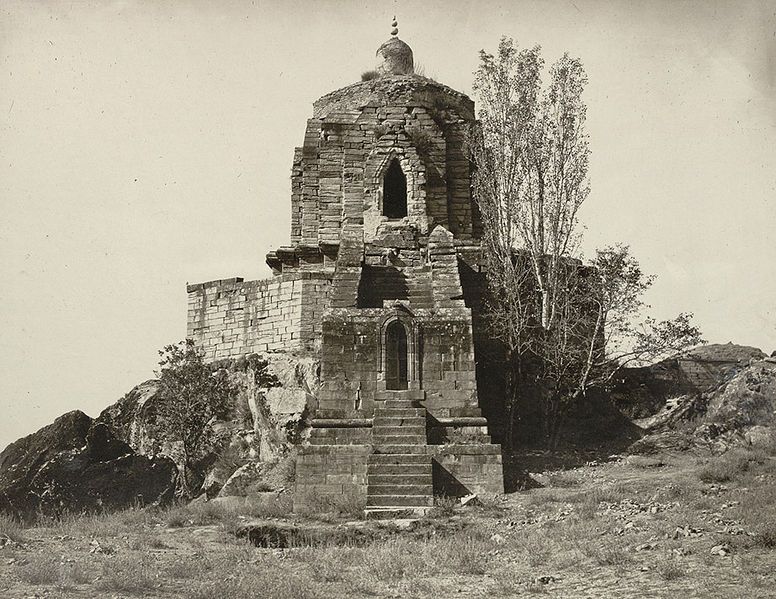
258	585
177	518
146	540
369	75
192	393
640	461
423	142
542	497
281	507
103	524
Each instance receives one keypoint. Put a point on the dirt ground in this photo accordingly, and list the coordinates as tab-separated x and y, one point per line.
670	525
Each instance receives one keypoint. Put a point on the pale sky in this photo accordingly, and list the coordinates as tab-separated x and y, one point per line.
147	144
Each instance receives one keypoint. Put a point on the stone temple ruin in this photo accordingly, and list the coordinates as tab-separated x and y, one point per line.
381	283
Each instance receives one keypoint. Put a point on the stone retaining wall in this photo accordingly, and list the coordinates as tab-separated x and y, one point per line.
233	317
328	474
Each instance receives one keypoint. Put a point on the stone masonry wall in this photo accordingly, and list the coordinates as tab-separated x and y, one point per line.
233	317
351	365
356	132
327	473
463	469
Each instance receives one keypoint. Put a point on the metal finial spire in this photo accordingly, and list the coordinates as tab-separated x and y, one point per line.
394	26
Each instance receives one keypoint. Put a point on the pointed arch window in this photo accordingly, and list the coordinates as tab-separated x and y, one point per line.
394	191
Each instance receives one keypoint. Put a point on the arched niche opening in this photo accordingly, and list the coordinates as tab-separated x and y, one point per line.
394	191
396	372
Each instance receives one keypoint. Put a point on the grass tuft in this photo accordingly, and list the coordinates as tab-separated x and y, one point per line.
11	527
130	575
40	570
669	568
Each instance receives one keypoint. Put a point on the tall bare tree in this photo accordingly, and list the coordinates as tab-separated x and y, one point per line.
564	327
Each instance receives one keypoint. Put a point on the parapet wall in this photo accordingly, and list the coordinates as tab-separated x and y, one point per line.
233	317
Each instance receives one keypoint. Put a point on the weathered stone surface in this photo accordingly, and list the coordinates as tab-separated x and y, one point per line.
747	399
375	289
263	425
642	392
251	477
76	464
739	411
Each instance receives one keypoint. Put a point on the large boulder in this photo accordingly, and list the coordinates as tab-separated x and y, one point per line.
76	464
748	399
259	477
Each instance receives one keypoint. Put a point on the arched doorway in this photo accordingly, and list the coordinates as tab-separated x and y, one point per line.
396	356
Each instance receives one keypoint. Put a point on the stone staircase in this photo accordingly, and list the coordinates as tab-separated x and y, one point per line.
399	480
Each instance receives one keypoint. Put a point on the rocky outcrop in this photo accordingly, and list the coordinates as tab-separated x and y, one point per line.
643	392
76	464
739	410
259	477
748	399
127	456
265	422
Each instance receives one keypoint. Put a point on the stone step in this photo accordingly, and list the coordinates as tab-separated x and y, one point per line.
399	478
399	448
393	513
402	394
399	421
383	469
403	429
399	412
408	458
378	439
401	403
381	490
399	500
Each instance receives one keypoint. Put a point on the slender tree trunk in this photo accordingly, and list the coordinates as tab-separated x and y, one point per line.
184	489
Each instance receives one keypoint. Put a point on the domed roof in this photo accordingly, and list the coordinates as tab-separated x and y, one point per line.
395	56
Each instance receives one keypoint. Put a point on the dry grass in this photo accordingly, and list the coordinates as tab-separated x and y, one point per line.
444	507
731	465
331	509
608	552
591	533
40	570
11	527
563	480
131	575
669	568
640	461
203	513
